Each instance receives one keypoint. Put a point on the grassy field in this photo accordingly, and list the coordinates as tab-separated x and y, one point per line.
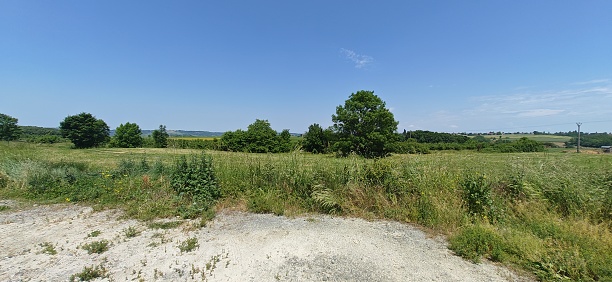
547	213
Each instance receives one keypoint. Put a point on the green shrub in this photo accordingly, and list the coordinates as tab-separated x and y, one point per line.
90	273
96	247
478	196
195	182
189	245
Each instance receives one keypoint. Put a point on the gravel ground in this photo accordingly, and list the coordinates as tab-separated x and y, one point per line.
235	246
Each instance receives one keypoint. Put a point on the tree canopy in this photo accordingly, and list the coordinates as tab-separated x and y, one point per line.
160	137
127	135
259	138
84	130
364	126
316	139
9	130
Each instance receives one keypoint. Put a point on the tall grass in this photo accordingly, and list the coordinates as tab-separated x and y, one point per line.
548	213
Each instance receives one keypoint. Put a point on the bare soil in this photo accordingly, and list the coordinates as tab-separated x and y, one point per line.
235	246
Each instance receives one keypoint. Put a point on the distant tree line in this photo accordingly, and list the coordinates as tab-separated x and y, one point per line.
591	140
362	126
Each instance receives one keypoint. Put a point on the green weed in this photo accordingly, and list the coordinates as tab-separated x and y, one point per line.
48	248
131	232
189	245
165	225
90	273
96	247
94	233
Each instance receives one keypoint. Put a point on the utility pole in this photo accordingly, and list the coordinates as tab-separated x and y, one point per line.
578	148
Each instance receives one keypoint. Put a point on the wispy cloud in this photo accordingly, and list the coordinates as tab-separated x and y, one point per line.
360	60
570	101
594	81
527	109
539	113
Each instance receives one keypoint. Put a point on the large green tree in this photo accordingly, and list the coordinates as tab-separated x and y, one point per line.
127	135
315	139
364	126
160	137
261	138
85	130
258	138
9	130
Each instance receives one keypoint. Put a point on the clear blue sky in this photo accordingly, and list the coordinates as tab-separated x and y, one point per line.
449	66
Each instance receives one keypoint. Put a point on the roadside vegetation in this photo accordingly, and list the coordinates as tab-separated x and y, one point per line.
512	201
547	213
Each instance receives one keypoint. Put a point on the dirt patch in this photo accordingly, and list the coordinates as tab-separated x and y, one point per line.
235	246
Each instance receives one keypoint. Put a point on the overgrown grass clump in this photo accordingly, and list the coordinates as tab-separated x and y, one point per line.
547	213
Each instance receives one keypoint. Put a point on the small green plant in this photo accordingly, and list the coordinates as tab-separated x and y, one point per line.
95	233
165	225
90	273
96	247
48	248
478	196
189	245
131	232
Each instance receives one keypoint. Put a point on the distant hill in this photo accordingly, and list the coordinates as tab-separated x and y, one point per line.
183	133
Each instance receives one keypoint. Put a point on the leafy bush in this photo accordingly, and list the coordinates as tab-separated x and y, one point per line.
85	130
195	181
127	135
478	196
259	138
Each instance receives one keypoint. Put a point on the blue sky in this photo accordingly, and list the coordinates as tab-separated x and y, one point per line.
449	66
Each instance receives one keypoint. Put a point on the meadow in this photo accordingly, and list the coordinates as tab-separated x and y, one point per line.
547	213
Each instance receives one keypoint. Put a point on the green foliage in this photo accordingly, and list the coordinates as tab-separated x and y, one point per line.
48	248
131	232
127	135
364	126
478	196
195	181
524	145
424	136
160	137
96	247
189	245
259	138
94	233
90	273
85	131
41	135
315	139
9	130
594	140
552	218
195	143
477	241
234	141
410	147
165	225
